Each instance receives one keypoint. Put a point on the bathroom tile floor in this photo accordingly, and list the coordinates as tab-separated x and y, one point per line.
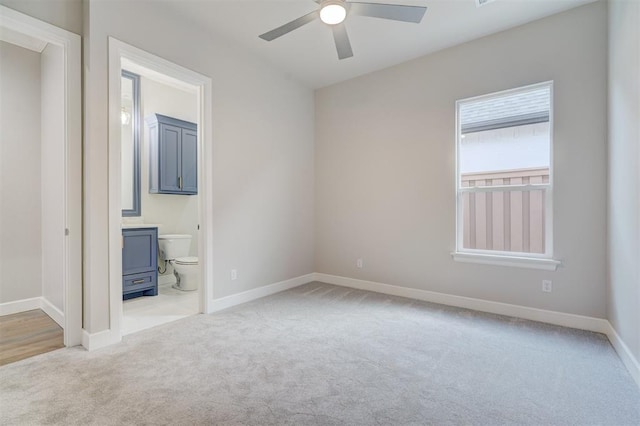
149	311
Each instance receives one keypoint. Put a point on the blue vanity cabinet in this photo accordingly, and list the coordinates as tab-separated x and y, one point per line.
173	147
139	262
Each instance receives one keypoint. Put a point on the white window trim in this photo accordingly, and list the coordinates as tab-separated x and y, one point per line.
492	257
506	260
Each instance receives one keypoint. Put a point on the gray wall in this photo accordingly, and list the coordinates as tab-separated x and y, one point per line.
624	172
66	14
385	165
20	205
262	144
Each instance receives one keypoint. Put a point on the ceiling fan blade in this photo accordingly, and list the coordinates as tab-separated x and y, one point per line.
395	12
289	26
343	46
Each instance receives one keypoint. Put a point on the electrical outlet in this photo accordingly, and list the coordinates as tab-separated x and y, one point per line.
359	263
547	286
234	274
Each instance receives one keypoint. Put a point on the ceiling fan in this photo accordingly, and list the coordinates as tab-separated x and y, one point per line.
334	12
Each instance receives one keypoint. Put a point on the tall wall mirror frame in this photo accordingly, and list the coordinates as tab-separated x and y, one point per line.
130	140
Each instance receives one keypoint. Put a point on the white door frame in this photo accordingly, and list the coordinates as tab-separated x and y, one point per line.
203	85
72	146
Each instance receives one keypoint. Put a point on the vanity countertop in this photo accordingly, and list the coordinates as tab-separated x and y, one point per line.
139	225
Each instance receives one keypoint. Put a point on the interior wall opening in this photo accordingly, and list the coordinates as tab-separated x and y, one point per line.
160	198
40	180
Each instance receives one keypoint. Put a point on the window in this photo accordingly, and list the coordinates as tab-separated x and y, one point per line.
504	177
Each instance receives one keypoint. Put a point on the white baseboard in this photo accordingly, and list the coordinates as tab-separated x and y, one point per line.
625	354
247	296
56	314
107	337
24	305
597	325
98	340
551	317
18	306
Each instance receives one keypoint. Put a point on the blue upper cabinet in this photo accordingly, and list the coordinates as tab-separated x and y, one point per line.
188	161
173	162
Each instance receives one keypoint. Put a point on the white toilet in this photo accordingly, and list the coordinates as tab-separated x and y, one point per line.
175	249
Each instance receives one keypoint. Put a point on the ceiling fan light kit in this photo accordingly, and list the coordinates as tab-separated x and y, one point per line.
334	12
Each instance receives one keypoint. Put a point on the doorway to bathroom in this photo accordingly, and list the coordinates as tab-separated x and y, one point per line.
148	100
40	186
160	174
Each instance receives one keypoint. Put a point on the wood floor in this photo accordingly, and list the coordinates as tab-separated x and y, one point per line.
27	334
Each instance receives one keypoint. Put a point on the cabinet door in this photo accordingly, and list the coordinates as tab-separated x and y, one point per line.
169	167
139	251
188	161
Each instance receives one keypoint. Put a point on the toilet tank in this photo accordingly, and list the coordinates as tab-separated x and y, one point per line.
173	246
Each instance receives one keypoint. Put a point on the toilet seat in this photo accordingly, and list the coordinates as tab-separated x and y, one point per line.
189	260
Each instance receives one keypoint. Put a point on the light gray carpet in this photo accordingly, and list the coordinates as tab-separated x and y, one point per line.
321	354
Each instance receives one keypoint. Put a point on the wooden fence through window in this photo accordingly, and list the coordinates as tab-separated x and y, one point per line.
505	220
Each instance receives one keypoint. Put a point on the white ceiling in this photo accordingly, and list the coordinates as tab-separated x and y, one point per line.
308	54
